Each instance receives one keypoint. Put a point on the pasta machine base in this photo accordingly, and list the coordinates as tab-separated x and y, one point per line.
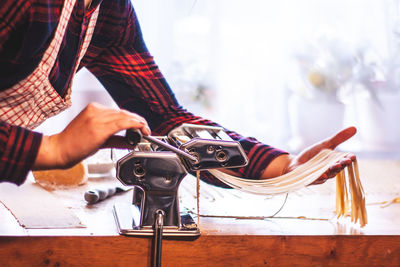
127	217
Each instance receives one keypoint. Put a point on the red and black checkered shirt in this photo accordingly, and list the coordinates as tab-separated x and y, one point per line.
117	56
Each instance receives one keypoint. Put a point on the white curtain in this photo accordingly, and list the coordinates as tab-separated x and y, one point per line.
233	60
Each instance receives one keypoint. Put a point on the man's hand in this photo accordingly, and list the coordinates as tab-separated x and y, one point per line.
287	163
92	129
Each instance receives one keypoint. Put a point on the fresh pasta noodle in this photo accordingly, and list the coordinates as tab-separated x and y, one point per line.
350	196
348	188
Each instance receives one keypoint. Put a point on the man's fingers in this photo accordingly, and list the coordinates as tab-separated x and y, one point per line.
320	180
335	169
113	114
124	124
116	121
113	119
341	137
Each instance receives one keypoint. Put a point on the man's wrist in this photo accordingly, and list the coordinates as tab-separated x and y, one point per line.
48	156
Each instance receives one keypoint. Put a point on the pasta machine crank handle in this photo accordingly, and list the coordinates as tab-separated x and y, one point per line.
134	136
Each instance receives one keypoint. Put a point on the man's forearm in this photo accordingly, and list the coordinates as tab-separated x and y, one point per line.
277	167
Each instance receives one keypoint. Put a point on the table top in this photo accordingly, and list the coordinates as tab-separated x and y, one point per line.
309	211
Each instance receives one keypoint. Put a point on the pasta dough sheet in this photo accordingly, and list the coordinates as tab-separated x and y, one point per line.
35	208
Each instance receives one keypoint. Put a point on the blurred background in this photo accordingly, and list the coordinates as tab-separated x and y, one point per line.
287	72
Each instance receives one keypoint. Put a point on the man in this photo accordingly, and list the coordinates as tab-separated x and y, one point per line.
44	42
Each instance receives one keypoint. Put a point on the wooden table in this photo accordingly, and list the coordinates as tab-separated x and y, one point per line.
303	233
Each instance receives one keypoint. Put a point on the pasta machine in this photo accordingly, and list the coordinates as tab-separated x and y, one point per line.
156	168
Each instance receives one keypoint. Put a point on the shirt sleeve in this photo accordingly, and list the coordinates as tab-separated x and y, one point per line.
12	15
130	75
18	150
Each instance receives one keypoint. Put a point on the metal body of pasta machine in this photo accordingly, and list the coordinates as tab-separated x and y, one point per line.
156	173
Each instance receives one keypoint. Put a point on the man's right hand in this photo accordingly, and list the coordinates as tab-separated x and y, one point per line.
94	128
